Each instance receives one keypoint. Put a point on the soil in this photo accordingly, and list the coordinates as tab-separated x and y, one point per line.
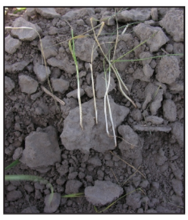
81	163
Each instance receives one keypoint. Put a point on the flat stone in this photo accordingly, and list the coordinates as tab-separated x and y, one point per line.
16	67
131	145
74	93
178	132
63	64
151	128
153	98
154	120
167	70
154	14
173	23
9	85
145	55
48	48
95	161
17	153
41	149
101	85
30	210
60	85
139	74
169	110
139	14
41	72
52	206
177	187
92	136
28	84
148	71
89	91
83	49
72	186
103	192
11	44
176	87
14	195
48	12
25	34
145	32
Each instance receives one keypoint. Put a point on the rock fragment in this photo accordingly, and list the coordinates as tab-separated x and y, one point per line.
16	67
151	128
41	72
48	12
60	85
154	14
177	186
154	120
48	49
28	84
52	206
9	85
11	44
74	93
169	110
178	132
72	186
14	195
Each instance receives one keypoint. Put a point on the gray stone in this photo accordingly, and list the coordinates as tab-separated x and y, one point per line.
69	104
177	186
86	13
11	187
28	188
178	49
178	132
48	12
178	173
160	158
28	84
102	192
9	85
145	55
16	67
167	70
48	48
63	64
89	91
74	93
176	87
154	14
25	34
101	85
17	153
138	14
136	114
52	206
95	161
72	186
151	128
30	210
154	120
139	74
11	44
169	48
173	23
41	72
41	149
148	71
60	85
14	195
153	98
108	18
131	145
53	30
145	32
133	199
92	136
169	110
30	11
72	176
83	49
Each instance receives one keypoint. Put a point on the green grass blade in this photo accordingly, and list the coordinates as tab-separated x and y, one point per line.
13	164
73	195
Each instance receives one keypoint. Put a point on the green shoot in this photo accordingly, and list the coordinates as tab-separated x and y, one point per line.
13	164
74	195
18	10
72	49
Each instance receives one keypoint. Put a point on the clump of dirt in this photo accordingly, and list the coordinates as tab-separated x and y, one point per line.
146	167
